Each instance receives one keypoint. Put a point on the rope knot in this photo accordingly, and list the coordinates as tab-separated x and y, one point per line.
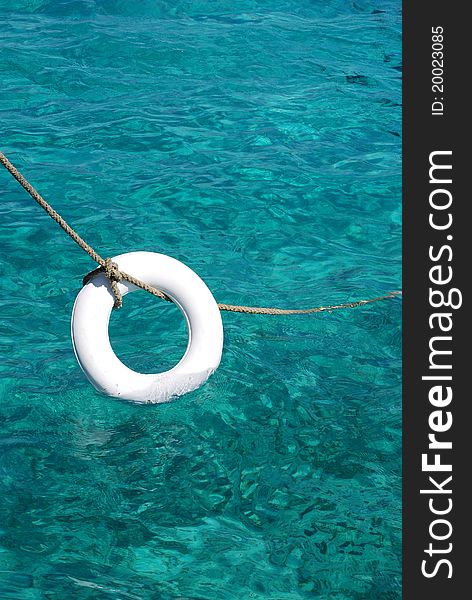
112	270
113	274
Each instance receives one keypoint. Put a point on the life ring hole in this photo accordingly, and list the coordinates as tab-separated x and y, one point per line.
147	334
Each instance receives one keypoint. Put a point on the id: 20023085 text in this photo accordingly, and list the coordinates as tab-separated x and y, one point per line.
437	70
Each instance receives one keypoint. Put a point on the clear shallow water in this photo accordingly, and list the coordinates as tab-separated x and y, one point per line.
258	142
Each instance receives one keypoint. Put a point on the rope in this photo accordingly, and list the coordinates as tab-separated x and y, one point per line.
114	274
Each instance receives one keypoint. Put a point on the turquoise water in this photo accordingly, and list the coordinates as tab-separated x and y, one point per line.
259	143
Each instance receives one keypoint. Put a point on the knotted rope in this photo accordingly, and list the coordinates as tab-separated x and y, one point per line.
114	274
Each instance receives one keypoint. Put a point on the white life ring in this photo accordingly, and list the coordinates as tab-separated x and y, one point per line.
91	315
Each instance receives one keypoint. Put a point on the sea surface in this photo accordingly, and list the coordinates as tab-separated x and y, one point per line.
259	143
